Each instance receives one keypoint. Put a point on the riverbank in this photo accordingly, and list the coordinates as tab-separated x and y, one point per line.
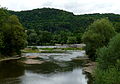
90	67
47	50
9	58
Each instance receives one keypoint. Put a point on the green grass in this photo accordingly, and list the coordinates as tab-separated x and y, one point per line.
71	48
52	51
49	50
31	51
61	48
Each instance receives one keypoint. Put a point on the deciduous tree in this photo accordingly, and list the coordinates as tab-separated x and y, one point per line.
98	35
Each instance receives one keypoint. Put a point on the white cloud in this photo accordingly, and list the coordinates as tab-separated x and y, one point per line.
76	6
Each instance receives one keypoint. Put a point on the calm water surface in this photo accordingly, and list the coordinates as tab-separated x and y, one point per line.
59	69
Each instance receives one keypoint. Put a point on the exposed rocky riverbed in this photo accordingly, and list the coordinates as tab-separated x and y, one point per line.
46	68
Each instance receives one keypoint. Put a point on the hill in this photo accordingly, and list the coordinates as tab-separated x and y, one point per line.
60	24
55	20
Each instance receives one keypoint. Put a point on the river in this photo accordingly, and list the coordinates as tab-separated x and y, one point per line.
59	69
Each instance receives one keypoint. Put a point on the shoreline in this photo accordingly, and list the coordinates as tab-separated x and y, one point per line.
89	67
9	58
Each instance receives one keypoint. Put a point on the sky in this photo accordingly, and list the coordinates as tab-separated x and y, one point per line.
75	6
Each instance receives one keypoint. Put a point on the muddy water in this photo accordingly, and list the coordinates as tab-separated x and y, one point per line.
59	69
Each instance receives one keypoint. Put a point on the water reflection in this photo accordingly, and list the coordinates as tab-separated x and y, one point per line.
56	71
72	77
53	67
45	68
10	71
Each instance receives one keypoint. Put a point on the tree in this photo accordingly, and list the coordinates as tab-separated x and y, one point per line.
98	35
1	42
109	56
32	37
12	34
44	37
108	68
63	36
71	40
117	26
108	76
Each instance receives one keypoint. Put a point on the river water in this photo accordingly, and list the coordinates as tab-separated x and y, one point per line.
59	69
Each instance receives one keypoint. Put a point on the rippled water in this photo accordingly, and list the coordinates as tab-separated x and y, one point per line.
59	70
59	56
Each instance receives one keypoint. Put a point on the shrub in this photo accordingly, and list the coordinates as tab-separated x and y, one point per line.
108	69
108	56
108	76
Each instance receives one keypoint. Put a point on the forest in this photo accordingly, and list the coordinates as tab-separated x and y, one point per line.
59	26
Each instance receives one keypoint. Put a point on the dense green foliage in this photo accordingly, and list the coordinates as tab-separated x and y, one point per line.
108	69
108	56
108	76
12	35
61	25
52	20
98	35
47	38
47	19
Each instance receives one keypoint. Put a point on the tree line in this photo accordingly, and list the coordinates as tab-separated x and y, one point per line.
60	26
39	37
103	46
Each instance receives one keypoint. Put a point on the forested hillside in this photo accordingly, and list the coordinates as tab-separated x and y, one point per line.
59	26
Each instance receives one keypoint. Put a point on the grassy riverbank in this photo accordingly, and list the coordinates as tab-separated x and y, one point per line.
61	48
42	51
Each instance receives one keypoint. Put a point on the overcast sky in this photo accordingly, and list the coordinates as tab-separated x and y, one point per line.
75	6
